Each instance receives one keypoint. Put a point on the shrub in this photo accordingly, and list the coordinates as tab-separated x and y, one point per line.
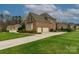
22	28
51	30
69	30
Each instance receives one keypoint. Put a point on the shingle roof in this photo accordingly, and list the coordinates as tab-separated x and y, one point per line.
37	17
48	16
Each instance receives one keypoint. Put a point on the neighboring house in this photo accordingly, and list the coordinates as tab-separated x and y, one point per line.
13	28
77	26
71	26
14	24
61	26
37	23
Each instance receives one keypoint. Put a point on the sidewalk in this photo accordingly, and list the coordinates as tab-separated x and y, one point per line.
19	41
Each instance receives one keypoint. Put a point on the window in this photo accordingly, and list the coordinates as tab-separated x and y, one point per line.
29	26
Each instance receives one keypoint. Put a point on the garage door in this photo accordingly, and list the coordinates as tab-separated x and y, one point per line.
45	29
39	29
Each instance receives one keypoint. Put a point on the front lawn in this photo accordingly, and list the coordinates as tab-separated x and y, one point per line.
65	43
7	35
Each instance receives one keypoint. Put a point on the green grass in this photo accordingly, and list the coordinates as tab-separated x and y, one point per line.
7	35
65	43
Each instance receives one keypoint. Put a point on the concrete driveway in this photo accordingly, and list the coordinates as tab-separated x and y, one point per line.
19	41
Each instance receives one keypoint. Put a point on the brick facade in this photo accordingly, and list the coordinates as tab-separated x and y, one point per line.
39	22
61	26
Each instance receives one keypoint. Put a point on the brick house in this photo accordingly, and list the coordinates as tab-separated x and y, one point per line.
77	26
61	26
72	26
39	23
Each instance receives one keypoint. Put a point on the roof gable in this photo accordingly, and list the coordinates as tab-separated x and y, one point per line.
36	17
48	17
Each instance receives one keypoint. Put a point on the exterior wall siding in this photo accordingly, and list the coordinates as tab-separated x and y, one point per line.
13	28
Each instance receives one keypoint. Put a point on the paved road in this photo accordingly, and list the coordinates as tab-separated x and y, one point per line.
19	41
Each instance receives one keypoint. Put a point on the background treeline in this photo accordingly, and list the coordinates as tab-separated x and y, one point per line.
6	19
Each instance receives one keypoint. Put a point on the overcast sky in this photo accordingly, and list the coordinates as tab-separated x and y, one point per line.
65	12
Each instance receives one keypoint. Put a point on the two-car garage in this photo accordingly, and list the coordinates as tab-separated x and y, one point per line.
45	29
39	29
